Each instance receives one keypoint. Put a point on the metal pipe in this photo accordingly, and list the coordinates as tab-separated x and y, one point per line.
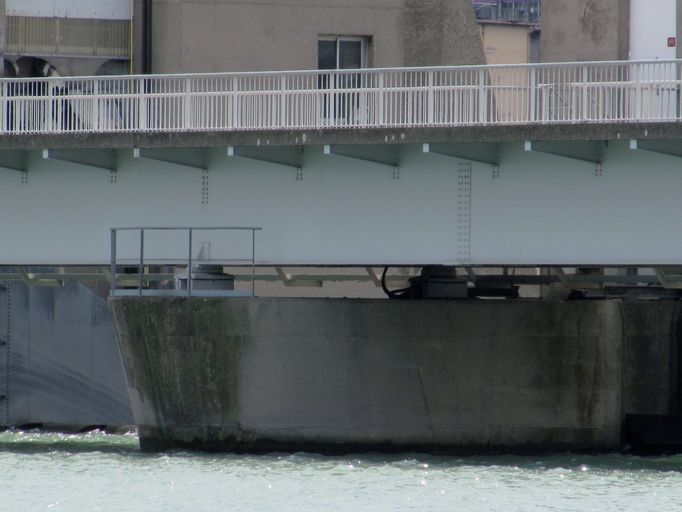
253	263
141	269
113	262
147	47
189	266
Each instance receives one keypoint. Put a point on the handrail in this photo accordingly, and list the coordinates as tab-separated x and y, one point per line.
140	291
610	91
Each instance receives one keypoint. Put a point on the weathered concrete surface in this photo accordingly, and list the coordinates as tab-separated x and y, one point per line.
584	30
339	375
440	32
208	139
651	357
233	35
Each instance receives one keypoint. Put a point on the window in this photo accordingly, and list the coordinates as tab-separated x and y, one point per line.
341	105
341	52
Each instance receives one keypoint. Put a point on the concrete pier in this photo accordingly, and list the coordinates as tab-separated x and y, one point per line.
438	376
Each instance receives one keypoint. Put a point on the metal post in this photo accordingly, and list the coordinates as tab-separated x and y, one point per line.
141	269
430	99
49	108
585	103
113	261
253	263
235	103
283	102
482	98
380	102
188	104
189	266
142	105
533	95
95	105
6	108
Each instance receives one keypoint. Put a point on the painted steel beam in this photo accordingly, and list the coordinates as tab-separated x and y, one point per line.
94	158
288	156
671	147
541	211
186	157
484	152
384	154
588	150
13	160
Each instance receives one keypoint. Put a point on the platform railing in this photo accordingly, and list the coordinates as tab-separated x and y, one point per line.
137	284
594	92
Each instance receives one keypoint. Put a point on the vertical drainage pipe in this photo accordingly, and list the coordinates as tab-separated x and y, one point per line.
147	48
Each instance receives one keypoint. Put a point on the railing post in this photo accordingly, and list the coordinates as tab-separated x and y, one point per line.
5	108
188	104
189	265
49	108
113	261
283	101
584	99
482	98
95	104
235	103
430	98
533	95
141	268
142	105
380	101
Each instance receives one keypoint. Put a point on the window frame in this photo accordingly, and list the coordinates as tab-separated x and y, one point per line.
364	45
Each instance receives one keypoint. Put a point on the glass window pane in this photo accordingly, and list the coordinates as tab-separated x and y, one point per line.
326	54
350	54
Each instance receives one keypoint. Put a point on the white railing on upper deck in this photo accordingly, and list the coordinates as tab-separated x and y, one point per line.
622	91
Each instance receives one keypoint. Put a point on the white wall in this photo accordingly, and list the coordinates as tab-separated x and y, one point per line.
93	9
651	23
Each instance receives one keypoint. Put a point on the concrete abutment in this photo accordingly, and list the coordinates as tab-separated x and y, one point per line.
339	375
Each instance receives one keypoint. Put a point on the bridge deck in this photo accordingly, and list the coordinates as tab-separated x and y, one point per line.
529	165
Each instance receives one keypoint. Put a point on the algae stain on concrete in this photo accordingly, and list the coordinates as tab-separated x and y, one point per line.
184	369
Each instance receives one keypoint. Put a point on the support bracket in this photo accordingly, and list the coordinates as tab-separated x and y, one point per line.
187	157
483	152
292	281
591	151
14	160
99	158
288	156
383	154
668	281
662	146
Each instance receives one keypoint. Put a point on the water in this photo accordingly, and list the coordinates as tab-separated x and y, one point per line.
100	472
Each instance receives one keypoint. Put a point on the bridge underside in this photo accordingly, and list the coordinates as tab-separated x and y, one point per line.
425	198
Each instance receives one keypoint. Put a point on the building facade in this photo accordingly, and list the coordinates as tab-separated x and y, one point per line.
231	35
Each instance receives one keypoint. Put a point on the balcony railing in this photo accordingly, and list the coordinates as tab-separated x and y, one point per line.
595	92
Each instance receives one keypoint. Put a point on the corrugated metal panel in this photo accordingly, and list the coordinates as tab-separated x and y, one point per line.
68	37
100	9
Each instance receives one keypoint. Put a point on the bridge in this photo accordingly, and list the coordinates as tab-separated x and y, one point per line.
569	164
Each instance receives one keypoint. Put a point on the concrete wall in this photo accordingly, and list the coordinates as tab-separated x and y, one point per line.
334	375
584	30
230	35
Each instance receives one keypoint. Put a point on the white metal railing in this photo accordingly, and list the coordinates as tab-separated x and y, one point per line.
620	91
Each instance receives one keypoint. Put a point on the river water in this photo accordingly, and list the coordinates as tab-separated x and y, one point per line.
103	472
